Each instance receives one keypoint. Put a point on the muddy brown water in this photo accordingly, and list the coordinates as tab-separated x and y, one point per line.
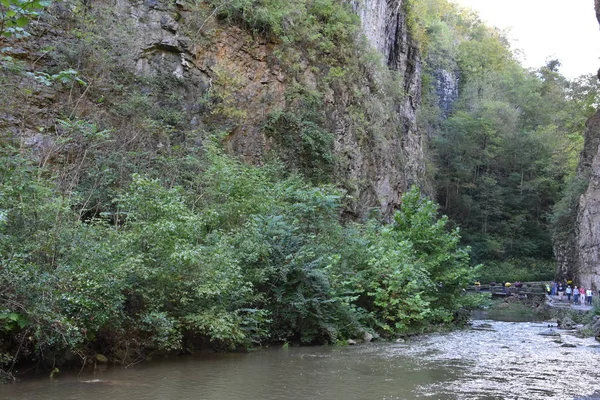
502	360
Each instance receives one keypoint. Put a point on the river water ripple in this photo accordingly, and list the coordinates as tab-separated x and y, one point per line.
507	360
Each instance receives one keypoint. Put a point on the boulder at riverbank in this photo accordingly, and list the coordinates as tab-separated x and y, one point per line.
566	323
549	332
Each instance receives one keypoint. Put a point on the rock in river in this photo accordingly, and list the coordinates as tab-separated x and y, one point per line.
549	332
566	323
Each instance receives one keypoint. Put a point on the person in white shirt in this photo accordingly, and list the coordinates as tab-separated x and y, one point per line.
588	296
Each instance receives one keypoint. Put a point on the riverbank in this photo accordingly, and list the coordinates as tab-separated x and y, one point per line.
493	359
505	343
580	320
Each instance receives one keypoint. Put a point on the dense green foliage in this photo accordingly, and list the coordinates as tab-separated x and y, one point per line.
507	147
324	24
417	269
249	257
127	230
128	233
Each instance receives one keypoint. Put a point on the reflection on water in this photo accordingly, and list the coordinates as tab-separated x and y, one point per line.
507	315
505	361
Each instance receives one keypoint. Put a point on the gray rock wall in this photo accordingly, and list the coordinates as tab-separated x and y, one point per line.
380	168
384	24
376	166
378	19
586	266
446	89
588	239
583	261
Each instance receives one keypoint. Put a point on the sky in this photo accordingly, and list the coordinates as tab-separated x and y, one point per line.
542	29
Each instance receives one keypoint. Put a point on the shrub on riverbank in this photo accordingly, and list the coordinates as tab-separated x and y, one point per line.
238	255
131	234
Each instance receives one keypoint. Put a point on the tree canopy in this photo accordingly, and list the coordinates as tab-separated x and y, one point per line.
508	148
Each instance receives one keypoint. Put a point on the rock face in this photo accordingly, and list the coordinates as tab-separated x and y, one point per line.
386	168
379	20
571	252
250	84
583	263
232	69
216	77
595	326
446	88
384	24
588	223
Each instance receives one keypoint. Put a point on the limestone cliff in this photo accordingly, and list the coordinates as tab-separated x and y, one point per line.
583	262
576	239
588	226
219	76
384	24
375	171
446	89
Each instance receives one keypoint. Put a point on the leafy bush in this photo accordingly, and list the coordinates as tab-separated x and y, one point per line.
323	23
240	256
416	269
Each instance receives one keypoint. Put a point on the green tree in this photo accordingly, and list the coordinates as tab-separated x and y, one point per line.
511	142
416	268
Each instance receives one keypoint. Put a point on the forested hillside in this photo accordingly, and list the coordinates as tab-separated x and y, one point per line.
183	175
504	142
177	175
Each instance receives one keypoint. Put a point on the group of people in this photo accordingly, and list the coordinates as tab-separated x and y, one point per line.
579	295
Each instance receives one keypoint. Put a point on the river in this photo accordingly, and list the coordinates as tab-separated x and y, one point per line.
502	360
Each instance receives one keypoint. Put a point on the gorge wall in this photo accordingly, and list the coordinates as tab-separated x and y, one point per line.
219	76
583	262
384	23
